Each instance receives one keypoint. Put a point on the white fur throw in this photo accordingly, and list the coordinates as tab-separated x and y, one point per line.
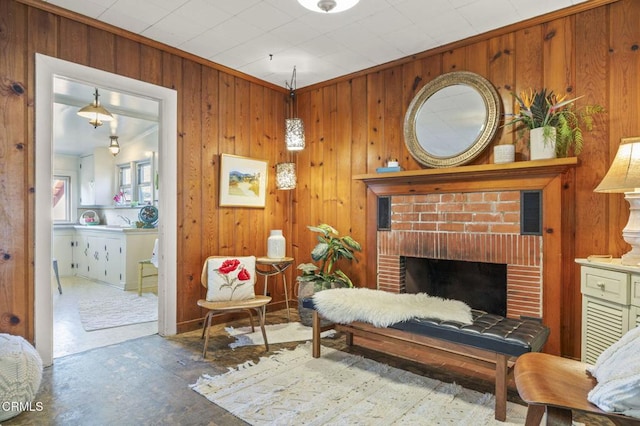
382	308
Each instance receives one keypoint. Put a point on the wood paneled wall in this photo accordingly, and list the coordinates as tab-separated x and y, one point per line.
353	125
219	111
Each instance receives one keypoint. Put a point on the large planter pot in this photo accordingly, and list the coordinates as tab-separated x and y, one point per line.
542	147
306	289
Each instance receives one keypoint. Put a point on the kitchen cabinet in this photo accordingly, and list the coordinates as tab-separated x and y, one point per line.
97	178
111	254
610	304
63	249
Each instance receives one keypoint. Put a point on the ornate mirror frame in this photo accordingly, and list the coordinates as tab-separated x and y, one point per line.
487	131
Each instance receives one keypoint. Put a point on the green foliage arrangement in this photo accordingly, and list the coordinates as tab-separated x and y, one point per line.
546	109
329	250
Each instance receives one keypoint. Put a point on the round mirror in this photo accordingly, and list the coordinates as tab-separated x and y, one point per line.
452	119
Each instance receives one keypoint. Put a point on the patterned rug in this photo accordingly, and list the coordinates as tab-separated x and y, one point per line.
125	309
276	333
291	387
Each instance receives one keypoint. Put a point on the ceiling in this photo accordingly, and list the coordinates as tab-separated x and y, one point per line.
267	38
134	117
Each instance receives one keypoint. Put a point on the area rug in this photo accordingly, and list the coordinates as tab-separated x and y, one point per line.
276	333
125	309
292	387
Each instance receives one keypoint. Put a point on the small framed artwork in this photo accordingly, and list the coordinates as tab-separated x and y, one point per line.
243	181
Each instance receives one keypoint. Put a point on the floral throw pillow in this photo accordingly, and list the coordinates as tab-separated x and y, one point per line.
231	278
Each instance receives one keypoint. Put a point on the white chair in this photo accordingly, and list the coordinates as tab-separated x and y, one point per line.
255	304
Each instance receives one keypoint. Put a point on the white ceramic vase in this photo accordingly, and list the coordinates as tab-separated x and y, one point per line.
542	148
276	245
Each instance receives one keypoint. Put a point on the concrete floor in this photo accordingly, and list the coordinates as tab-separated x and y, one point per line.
145	381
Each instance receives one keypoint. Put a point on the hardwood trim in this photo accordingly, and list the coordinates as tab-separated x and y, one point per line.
538	20
524	170
91	22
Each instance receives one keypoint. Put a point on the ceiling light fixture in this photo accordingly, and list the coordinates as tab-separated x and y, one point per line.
294	127
114	146
95	112
328	6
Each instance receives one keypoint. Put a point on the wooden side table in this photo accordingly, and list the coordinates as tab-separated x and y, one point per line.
269	267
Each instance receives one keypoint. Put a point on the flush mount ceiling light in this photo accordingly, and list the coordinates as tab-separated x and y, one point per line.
95	112
114	146
328	6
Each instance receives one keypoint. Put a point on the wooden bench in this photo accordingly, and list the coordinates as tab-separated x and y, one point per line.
491	341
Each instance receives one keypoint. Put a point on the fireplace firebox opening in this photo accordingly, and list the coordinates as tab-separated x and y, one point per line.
481	285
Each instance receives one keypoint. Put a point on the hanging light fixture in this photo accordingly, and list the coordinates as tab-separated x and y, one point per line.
95	112
114	146
328	6
285	176
294	127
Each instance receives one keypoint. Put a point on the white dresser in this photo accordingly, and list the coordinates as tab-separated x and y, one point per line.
610	304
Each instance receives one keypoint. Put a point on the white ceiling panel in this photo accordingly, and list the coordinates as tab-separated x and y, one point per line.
242	34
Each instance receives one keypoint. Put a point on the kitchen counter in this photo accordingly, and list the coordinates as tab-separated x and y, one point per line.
115	228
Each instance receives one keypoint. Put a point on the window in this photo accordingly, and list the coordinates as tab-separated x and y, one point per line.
143	183
137	188
61	191
124	182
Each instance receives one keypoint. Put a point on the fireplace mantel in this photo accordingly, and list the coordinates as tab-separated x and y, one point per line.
554	178
520	170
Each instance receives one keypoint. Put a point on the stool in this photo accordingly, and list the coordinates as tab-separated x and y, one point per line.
275	266
141	274
20	375
55	270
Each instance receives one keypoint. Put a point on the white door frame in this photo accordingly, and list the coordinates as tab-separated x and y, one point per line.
46	68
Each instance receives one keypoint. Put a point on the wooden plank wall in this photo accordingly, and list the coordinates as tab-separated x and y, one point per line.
353	125
591	53
218	112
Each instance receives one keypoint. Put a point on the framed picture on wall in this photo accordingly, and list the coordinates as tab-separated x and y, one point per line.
243	181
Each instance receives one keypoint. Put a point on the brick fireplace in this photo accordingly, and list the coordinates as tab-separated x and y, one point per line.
473	213
474	227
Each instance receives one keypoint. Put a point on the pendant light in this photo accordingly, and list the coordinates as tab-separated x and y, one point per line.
285	176
294	127
328	6
114	146
95	112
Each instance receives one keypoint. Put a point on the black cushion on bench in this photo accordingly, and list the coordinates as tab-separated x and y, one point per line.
492	332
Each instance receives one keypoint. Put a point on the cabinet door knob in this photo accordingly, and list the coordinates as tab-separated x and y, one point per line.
601	285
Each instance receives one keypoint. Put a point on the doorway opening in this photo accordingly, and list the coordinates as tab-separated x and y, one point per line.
48	68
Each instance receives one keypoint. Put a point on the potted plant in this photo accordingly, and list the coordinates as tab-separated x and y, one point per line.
555	119
330	249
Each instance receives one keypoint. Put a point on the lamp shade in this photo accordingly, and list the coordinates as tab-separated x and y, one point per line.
624	173
95	112
285	175
294	134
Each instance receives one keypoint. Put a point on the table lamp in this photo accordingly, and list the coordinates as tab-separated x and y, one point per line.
624	176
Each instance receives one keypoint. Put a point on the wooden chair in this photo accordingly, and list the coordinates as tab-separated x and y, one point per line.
256	304
557	385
